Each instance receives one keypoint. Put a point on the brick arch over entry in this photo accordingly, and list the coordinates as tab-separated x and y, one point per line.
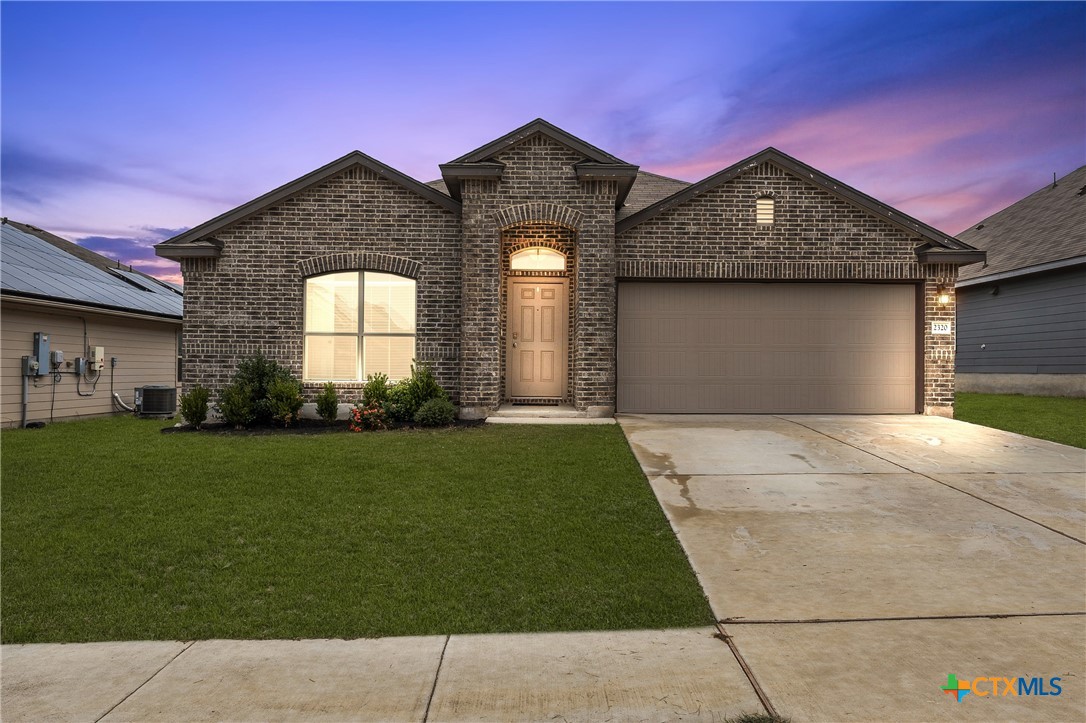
539	212
561	246
360	260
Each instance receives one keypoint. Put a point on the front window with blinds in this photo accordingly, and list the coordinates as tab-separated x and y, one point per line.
358	323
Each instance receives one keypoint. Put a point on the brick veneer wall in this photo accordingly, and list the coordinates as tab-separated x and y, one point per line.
251	298
815	236
538	185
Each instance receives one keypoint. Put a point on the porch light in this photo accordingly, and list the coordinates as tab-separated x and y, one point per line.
942	295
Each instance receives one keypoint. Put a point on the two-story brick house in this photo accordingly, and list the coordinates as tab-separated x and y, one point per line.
543	270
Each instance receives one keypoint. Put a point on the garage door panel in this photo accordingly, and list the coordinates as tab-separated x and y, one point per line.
768	348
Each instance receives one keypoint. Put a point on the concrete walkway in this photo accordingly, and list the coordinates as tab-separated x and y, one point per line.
684	674
855	562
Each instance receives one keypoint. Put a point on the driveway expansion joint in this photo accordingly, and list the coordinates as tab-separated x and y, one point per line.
762	697
138	687
437	674
937	481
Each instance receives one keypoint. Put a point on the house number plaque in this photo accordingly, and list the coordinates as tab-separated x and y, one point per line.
940	327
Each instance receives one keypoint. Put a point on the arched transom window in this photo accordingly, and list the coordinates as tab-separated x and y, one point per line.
342	344
537	258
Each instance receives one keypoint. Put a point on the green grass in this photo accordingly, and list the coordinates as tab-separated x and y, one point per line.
112	530
1059	419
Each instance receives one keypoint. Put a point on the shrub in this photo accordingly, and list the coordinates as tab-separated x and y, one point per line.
194	405
257	373
364	417
236	405
328	403
422	386
285	400
400	404
376	389
437	412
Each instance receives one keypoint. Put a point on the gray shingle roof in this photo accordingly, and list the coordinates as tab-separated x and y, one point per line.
647	190
1046	226
37	264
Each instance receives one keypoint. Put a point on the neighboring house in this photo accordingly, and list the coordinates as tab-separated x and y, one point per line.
1022	315
543	270
82	303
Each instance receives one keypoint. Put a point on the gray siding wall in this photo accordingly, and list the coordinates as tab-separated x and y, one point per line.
1034	325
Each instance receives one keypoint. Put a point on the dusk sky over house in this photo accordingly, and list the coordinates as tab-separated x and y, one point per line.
125	123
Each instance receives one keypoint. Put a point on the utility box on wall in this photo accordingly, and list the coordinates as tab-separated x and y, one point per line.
41	350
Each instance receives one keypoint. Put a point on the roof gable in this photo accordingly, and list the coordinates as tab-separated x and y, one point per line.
488	151
1047	226
194	242
597	164
937	240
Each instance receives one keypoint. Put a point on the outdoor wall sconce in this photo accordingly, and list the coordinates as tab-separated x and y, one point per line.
942	296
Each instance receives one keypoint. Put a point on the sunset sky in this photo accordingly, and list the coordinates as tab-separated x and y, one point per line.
125	123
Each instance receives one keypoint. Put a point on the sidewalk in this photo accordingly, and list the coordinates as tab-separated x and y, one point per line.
685	674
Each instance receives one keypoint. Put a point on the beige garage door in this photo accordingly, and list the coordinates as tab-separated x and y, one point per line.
766	348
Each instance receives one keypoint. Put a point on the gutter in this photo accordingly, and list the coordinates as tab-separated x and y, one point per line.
85	308
1036	269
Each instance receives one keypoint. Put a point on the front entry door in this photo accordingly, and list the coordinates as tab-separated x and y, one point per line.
536	338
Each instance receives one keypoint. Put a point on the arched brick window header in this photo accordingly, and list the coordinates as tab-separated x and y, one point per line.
360	261
539	212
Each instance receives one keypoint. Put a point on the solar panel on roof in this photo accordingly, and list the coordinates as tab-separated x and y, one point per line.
30	265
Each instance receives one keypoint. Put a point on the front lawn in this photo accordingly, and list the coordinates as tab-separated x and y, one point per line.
1058	419
112	530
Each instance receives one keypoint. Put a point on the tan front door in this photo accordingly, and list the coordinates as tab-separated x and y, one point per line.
536	338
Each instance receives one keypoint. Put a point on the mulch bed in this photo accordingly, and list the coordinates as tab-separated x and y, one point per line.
302	426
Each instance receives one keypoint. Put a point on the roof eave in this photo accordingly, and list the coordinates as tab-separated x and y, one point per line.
625	174
1024	271
452	173
205	248
954	257
74	304
287	190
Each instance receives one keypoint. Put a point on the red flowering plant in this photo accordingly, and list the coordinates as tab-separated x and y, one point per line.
368	416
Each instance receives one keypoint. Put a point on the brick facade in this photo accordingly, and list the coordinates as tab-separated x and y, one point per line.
816	236
250	299
539	186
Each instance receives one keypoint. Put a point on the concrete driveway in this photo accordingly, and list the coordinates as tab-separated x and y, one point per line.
856	561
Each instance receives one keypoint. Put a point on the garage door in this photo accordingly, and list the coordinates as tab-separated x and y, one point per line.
766	348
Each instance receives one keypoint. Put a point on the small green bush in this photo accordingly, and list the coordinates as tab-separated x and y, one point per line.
375	390
400	404
257	373
328	403
285	400
194	405
437	412
422	386
236	405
